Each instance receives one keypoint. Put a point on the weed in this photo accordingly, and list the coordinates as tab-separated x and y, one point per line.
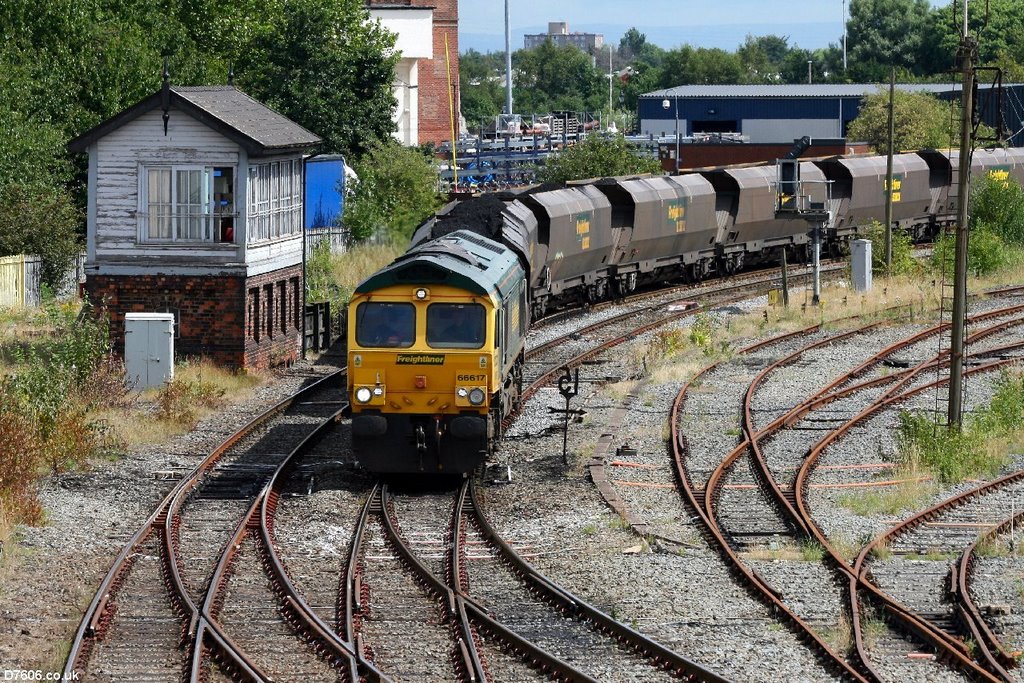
892	500
881	551
618	523
840	636
589	529
873	627
811	551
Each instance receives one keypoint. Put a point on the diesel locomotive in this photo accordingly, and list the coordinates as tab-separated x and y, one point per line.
436	339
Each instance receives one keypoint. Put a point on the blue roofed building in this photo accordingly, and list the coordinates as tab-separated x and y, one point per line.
774	114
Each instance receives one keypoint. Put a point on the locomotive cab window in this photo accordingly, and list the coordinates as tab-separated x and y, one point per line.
455	326
383	324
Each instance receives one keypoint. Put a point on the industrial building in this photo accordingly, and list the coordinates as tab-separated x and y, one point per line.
558	34
778	114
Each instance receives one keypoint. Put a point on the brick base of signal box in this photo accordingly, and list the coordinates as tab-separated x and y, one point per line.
249	323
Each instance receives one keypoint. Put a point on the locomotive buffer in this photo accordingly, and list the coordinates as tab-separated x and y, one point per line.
794	201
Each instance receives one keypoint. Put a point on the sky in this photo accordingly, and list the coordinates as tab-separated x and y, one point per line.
809	24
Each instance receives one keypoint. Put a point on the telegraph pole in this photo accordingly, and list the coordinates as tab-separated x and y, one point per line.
956	352
888	174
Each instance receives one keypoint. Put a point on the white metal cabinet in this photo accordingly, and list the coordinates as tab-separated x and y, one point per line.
149	349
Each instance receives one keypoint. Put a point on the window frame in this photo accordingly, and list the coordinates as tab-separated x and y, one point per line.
436	344
273	196
181	213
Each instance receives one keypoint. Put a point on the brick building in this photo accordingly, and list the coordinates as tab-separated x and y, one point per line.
421	78
195	208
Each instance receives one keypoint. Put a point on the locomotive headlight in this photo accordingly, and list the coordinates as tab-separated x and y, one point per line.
422	294
363	394
462	392
378	391
476	396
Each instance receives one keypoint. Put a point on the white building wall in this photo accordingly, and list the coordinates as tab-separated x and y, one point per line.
120	157
662	127
406	91
787	130
113	222
415	31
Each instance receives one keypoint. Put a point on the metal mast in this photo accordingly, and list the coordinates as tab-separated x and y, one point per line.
508	63
956	353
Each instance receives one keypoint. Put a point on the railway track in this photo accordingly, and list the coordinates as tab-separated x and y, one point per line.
261	607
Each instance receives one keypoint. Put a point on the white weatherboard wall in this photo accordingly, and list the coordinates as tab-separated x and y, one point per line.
860	256
149	349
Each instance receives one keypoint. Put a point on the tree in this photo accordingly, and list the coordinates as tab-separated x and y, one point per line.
550	78
885	33
920	121
997	24
326	66
597	157
480	85
396	191
762	57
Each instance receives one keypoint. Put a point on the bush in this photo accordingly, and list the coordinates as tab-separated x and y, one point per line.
977	449
998	205
396	191
179	400
597	157
986	252
903	262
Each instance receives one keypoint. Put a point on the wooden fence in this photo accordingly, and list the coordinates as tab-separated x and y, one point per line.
21	276
19	281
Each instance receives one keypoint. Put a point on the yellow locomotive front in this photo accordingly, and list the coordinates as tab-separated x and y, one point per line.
426	369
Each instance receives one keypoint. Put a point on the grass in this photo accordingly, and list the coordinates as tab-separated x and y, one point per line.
64	404
617	391
840	636
846	547
873	627
890	500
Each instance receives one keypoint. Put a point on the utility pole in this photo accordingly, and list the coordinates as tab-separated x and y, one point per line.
956	350
888	176
508	63
844	36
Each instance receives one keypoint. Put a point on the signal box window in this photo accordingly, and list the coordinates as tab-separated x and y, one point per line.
386	325
455	326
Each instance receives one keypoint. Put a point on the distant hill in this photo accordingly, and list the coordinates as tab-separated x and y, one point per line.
810	36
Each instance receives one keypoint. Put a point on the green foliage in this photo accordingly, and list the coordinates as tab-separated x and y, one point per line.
702	332
903	262
998	205
396	191
325	65
52	371
480	86
40	220
920	121
1005	413
44	404
180	400
953	455
320	283
986	251
549	78
597	157
885	33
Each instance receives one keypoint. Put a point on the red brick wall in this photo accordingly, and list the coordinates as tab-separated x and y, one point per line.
435	121
217	315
